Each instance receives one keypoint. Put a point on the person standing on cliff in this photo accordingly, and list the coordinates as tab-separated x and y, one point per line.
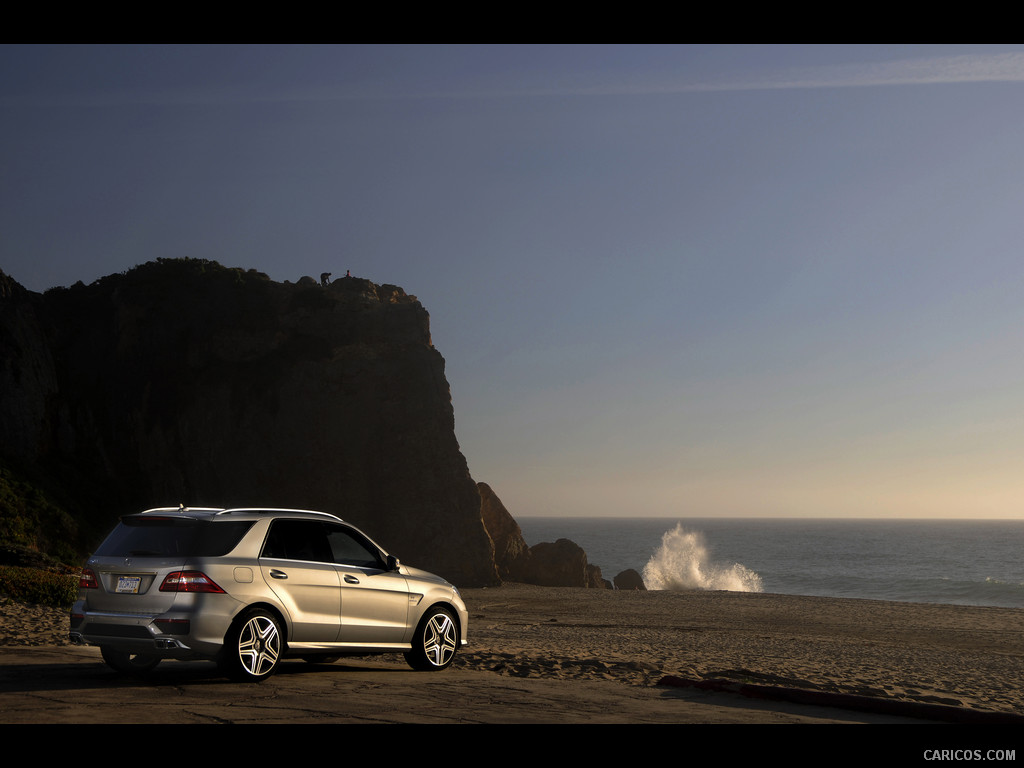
325	278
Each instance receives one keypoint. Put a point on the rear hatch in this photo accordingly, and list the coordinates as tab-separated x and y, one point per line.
147	552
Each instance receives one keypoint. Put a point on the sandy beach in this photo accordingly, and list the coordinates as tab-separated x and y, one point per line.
956	657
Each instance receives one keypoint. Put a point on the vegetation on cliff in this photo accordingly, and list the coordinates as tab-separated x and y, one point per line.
30	521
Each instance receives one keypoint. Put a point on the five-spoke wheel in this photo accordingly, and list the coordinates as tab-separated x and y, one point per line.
435	641
253	647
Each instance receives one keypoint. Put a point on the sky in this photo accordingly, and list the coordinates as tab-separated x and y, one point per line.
667	280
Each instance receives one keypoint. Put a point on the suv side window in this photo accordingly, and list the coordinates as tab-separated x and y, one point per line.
297	540
348	548
315	541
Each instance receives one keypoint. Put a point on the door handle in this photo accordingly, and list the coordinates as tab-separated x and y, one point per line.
276	574
350	579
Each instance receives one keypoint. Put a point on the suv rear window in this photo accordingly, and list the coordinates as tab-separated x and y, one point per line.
153	536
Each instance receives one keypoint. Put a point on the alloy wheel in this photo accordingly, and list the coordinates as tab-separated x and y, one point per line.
440	639
259	646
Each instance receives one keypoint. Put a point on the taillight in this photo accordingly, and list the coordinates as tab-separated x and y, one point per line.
189	581
88	580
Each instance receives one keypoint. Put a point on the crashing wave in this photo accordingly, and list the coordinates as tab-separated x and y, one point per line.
682	562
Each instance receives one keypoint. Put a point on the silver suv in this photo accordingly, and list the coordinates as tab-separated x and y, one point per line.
247	587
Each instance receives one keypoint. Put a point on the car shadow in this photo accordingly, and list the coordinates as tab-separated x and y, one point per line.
90	675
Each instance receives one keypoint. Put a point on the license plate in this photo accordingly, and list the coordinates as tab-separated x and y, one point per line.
129	584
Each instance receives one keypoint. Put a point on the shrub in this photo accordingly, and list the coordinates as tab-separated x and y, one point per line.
31	585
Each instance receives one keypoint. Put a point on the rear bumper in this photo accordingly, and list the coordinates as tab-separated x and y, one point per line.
169	635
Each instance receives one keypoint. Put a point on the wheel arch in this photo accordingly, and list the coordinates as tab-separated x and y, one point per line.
451	609
278	614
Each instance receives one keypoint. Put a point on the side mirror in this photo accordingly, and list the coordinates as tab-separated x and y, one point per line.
393	563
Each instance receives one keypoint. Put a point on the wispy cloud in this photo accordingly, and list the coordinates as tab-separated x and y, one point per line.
1005	67
972	68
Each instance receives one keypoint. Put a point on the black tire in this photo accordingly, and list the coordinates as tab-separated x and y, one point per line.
136	664
253	647
435	642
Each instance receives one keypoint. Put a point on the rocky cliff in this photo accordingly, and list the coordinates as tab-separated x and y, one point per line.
562	563
511	553
182	381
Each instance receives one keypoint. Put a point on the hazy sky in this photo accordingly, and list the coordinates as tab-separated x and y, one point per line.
667	280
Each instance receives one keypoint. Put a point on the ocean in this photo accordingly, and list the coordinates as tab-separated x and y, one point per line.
925	561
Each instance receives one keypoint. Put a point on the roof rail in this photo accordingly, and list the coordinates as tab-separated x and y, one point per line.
216	511
179	508
275	510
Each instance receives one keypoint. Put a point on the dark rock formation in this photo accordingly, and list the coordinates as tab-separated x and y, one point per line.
28	378
629	579
511	555
561	564
595	580
185	381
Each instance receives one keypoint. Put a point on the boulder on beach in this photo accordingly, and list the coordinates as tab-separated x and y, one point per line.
629	579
